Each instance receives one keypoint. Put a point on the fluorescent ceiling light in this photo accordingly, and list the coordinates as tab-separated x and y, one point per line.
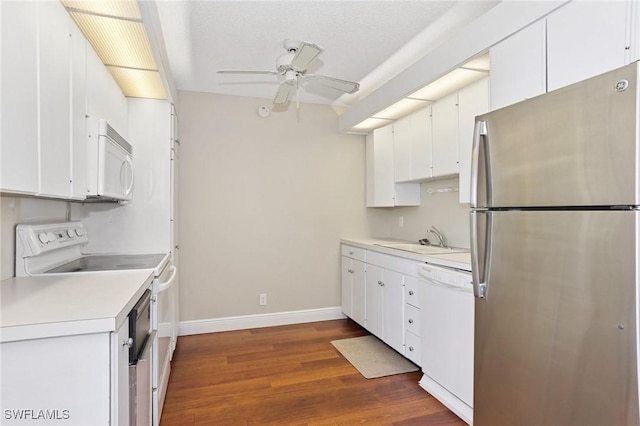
116	9
448	84
116	32
472	71
481	63
139	83
370	124
117	42
401	108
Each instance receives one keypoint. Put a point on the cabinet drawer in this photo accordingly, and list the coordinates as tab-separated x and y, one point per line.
411	287
354	252
412	319
412	348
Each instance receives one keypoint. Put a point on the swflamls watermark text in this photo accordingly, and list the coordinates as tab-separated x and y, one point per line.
36	414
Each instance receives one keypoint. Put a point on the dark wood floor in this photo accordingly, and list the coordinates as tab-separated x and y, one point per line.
289	375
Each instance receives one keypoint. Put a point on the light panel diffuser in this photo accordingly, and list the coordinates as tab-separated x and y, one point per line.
448	84
139	83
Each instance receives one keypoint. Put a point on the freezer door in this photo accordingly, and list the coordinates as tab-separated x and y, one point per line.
576	146
555	334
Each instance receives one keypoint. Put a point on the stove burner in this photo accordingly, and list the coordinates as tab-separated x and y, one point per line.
130	265
109	263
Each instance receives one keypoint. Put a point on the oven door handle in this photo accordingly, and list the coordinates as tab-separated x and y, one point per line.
165	285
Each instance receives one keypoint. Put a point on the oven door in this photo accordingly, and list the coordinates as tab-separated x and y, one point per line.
140	389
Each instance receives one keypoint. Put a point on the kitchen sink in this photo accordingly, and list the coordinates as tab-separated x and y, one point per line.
420	249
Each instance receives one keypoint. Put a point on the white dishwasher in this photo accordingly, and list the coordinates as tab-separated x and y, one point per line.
447	321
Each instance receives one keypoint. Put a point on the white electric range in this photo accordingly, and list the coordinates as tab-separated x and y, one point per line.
57	248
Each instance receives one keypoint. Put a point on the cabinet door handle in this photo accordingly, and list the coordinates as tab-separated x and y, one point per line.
350	252
380	283
410	321
410	292
410	348
351	271
128	342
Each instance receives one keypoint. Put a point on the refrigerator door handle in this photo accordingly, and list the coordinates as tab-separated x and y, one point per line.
479	253
479	131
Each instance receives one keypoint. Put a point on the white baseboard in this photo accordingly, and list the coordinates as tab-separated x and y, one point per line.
257	321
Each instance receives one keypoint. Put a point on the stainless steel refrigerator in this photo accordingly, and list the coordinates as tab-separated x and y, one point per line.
555	222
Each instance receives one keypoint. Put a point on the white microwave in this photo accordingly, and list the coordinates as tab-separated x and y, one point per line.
109	163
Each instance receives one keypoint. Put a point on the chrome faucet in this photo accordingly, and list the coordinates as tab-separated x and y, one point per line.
440	235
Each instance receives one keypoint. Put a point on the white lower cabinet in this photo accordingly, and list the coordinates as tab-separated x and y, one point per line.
120	375
384	305
353	286
72	380
412	336
387	303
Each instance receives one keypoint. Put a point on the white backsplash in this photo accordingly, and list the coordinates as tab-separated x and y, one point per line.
439	207
15	210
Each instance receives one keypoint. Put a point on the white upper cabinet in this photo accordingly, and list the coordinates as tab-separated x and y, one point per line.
402	139
44	101
433	142
19	98
79	46
54	98
473	100
444	151
412	146
519	67
586	38
104	97
579	40
382	191
36	100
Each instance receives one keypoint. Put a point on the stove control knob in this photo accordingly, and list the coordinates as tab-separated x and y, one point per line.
51	236
80	232
71	233
44	239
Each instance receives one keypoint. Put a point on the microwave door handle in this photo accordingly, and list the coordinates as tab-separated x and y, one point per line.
126	164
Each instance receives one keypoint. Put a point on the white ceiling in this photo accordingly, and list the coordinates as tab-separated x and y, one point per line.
364	41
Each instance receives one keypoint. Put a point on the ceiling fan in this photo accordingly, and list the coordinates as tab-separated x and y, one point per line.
293	67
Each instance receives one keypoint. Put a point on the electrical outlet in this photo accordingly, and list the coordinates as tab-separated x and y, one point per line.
263	299
401	221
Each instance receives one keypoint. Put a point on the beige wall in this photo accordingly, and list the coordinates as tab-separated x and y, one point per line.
14	210
263	204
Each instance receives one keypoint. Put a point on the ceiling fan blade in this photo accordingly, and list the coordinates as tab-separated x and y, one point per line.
306	53
334	83
284	91
246	72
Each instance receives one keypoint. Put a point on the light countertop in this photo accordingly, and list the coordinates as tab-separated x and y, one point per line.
67	304
460	260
